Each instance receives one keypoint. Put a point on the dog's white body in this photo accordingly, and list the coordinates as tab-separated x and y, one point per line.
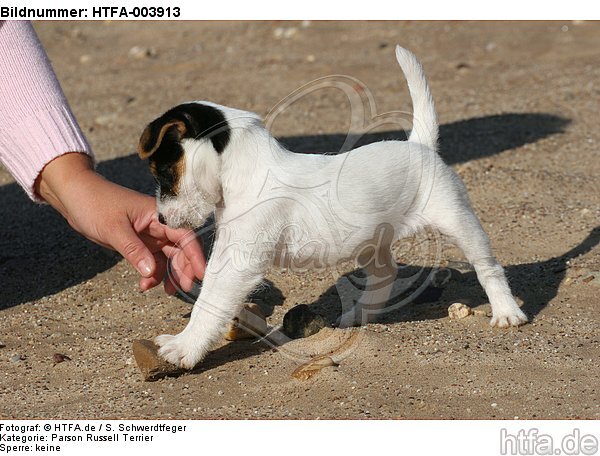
273	206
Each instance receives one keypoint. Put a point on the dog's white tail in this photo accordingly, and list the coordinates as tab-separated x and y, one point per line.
425	125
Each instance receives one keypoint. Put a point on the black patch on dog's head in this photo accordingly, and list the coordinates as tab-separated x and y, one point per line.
161	140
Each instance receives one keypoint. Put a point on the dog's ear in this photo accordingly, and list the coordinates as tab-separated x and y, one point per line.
155	132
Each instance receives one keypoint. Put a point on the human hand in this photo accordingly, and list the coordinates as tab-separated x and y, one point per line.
123	220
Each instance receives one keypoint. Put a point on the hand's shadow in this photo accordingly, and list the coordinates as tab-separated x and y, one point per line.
40	255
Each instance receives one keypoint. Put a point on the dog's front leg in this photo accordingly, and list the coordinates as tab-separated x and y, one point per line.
227	283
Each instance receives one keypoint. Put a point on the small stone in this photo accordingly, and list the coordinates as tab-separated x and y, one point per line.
60	358
480	313
106	120
591	278
458	310
152	366
141	52
314	366
251	323
16	358
2	345
301	322
310	58
85	58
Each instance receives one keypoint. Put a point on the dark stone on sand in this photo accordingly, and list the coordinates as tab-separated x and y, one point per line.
301	322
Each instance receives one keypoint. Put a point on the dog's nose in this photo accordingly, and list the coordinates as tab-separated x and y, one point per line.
161	219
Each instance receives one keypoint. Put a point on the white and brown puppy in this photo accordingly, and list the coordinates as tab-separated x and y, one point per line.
275	206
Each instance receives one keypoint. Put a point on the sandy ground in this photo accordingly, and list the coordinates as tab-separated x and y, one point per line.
518	106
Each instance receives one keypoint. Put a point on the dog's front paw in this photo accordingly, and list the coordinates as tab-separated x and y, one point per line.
178	350
514	317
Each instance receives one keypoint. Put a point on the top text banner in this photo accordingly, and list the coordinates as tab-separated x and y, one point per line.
307	9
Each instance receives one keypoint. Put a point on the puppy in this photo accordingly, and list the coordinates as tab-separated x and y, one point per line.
275	206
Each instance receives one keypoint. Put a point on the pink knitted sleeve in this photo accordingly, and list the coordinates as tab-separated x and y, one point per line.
36	122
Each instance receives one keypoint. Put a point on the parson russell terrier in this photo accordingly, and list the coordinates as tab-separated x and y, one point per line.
271	204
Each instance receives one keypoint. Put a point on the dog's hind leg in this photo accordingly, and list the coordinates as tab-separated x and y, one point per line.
380	268
458	221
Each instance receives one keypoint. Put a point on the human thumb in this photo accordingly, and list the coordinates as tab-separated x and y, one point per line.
135	252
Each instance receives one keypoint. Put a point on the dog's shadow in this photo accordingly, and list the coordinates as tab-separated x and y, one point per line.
40	255
536	284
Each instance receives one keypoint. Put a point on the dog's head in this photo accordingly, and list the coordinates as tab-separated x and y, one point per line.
185	148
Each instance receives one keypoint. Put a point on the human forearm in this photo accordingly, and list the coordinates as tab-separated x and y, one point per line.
36	122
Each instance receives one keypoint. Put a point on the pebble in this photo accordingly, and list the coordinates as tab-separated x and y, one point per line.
592	278
250	324
301	322
141	52
85	58
314	366
106	119
150	364
60	358
16	358
2	345
459	310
